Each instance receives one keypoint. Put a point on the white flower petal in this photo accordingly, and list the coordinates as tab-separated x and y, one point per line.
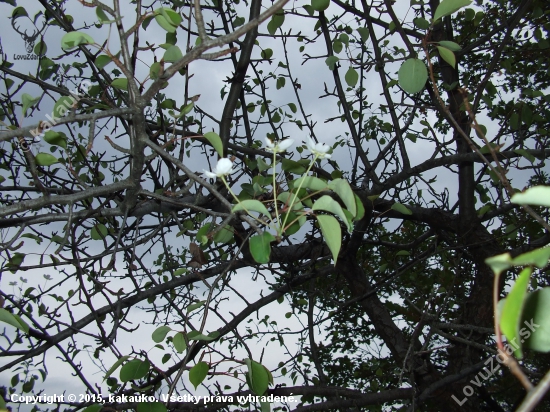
278	147
310	144
209	174
318	149
224	167
285	144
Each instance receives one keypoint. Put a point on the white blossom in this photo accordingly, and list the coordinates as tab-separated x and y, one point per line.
279	147
223	168
318	149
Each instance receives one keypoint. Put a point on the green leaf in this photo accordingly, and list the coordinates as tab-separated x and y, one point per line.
196	335
538	257
179	342
215	140
151	407
309	182
352	77
266	54
412	75
57	239
63	106
292	166
398	207
40	48
15	262
513	307
331	62
195	305
526	154
202	233
262	165
276	117
154	70
239	21
28	101
173	54
28	386
224	235
403	253
320	5
45	159
499	263
526	115
421	23
168	19
309	9
102	17
115	366
99	232
120	83
330	228
198	373
73	39
328	204
292	107
168	104
160	333
276	21
451	45
536	195
18	12
337	46
470	14
486	149
171	16
298	219
447	7
260	247
186	110
251	205
536	332
344	38
13	320
257	377
102	61
364	33
342	188
447	55
38	239
359	207
134	369
56	138
514	120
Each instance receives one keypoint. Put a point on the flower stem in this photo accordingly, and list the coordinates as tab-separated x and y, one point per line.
297	191
239	202
231	191
279	228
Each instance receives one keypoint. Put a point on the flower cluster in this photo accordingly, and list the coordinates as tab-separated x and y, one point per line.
225	166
